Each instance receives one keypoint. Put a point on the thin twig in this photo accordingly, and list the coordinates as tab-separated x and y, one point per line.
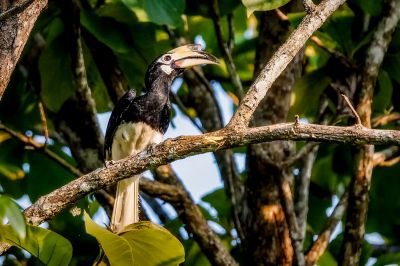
231	32
183	108
44	122
385	119
302	191
41	148
15	10
306	149
385	157
319	246
286	197
226	52
353	110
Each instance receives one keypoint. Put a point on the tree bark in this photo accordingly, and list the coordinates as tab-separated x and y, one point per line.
16	24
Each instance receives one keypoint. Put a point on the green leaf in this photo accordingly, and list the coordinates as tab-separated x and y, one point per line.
161	12
10	210
262	5
143	243
165	12
372	7
153	245
220	202
117	249
49	247
107	31
55	72
386	259
306	92
383	92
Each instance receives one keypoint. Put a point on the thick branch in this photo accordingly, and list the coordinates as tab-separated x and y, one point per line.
281	59
361	181
174	149
15	27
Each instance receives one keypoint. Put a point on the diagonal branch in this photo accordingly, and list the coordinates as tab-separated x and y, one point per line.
280	60
319	246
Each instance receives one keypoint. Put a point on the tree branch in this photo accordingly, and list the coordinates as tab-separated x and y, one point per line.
319	246
280	60
225	48
194	221
361	181
173	149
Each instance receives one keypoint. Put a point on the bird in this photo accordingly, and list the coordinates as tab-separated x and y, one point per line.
139	122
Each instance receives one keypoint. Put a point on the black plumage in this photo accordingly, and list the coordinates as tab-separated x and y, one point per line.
137	122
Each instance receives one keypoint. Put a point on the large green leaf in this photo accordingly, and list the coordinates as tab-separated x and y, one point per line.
49	247
161	12
262	5
106	30
10	210
372	7
117	248
153	245
165	12
55	70
143	243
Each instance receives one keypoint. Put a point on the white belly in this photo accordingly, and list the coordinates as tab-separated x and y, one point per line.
131	138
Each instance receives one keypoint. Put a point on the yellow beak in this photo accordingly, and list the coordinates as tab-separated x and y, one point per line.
191	55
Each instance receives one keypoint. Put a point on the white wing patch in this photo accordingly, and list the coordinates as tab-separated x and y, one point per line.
131	138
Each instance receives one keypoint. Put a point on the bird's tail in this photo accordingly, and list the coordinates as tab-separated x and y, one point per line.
126	206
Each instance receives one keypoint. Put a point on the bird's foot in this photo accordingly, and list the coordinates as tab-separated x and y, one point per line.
151	148
109	163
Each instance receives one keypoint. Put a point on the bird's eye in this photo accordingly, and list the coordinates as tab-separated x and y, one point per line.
167	58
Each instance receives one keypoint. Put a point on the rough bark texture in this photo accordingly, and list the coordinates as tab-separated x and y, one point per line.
14	32
173	149
267	237
361	181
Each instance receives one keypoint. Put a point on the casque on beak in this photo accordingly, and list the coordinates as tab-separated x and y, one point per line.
191	55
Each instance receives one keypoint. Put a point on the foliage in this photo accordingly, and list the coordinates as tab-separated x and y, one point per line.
133	33
47	246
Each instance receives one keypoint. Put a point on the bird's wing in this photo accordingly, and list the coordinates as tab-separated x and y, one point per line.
116	119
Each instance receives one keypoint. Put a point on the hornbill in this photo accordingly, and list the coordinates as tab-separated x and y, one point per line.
138	122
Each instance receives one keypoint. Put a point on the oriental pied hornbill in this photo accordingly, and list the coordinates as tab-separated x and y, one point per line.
137	122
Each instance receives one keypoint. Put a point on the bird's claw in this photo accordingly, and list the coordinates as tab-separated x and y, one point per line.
109	163
151	148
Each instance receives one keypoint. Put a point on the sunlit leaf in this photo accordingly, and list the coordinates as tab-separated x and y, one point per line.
143	243
10	210
49	247
262	5
153	245
117	248
105	30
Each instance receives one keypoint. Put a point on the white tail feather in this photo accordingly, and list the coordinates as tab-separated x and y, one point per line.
126	204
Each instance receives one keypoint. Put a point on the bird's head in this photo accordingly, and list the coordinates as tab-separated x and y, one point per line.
174	62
